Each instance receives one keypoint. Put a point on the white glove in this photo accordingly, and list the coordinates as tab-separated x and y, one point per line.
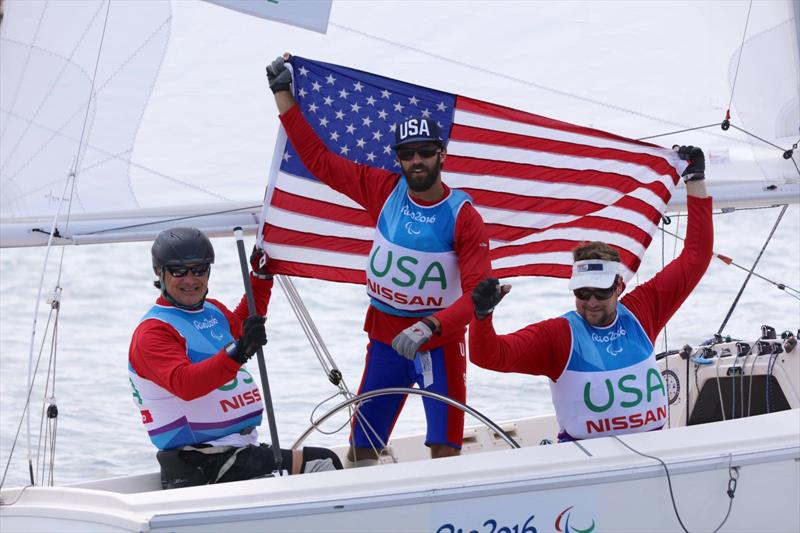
410	339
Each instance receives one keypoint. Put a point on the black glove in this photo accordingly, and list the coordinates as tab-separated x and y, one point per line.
253	336
486	295
258	263
696	170
279	77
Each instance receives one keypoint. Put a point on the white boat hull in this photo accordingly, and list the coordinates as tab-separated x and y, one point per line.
533	489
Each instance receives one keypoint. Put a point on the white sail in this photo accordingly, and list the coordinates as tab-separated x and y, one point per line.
180	117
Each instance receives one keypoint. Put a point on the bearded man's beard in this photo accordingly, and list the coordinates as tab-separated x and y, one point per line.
426	181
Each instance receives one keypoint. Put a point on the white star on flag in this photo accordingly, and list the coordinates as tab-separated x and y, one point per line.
541	185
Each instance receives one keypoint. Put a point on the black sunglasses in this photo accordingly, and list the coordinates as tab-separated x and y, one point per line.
585	293
407	154
179	271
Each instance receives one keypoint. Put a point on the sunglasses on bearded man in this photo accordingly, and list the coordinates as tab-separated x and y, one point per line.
585	293
425	152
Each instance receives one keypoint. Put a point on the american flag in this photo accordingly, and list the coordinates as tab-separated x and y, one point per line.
541	185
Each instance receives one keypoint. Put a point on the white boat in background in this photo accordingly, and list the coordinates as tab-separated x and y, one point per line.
637	69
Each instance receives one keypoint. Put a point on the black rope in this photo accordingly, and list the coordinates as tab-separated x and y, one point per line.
733	473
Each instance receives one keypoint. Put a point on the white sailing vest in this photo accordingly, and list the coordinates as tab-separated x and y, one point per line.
611	384
413	269
216	418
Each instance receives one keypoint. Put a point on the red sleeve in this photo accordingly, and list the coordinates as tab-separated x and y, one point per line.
158	353
262	291
653	303
541	349
472	249
368	186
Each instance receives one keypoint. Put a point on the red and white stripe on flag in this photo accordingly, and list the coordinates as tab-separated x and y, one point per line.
541	185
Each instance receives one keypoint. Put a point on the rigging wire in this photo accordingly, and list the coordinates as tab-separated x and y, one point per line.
787	153
675	132
328	364
25	409
739	60
68	185
734	126
794	293
664	233
750	273
47	408
545	87
312	333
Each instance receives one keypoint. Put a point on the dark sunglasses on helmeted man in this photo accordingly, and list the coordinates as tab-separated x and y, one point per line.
585	293
179	271
407	154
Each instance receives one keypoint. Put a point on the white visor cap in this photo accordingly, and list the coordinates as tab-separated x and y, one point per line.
594	273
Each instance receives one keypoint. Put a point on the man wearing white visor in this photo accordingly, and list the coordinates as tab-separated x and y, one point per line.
599	357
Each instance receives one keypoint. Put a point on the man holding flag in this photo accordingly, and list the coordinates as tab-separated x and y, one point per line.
603	374
428	253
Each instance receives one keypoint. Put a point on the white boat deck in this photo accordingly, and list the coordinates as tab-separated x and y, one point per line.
596	480
765	445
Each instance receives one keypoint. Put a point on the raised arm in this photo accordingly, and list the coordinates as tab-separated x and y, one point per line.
658	299
366	185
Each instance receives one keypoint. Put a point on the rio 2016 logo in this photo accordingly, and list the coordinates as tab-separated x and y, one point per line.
566	527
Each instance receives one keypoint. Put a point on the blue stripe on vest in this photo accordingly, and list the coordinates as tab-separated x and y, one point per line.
427	229
206	331
600	349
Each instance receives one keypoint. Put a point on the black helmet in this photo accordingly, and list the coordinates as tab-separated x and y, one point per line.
179	246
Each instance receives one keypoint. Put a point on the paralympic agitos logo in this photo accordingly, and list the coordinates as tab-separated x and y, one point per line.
562	523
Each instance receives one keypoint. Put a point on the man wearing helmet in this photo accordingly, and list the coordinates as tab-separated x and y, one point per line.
199	404
430	249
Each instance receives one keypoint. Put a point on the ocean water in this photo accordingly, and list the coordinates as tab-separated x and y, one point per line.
106	289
